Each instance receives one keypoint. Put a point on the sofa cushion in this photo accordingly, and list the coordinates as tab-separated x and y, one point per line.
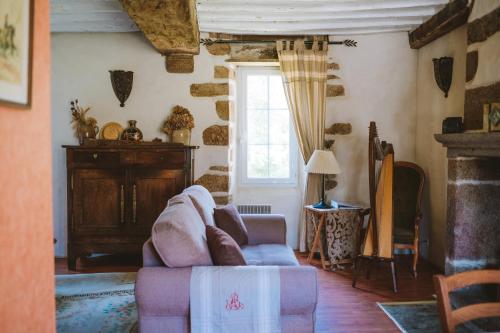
223	248
179	235
203	201
228	219
269	255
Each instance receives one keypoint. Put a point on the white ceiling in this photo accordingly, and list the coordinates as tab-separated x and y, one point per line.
266	17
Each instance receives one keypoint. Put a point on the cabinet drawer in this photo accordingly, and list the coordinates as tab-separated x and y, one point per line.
172	159
100	158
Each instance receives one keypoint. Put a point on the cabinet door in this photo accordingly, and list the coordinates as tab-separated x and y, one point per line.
151	190
98	201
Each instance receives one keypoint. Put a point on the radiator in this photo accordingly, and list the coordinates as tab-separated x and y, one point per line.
254	209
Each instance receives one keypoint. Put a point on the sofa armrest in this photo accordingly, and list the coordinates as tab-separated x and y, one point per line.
265	228
150	257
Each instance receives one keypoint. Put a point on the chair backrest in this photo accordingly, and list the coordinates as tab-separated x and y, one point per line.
378	238
409	181
444	285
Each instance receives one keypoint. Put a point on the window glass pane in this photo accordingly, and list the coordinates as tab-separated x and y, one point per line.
279	127
257	92
277	99
257	161
257	126
279	161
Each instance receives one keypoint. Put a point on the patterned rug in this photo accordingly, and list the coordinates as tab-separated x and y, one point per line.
104	302
418	317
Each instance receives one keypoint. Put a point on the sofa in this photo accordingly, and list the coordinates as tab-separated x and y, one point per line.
162	293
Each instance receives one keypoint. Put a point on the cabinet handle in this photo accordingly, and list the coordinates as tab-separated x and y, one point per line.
134	204
122	204
95	156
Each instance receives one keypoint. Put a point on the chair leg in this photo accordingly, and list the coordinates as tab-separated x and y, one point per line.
415	261
394	277
354	269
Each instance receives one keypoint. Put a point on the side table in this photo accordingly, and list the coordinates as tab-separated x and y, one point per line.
339	226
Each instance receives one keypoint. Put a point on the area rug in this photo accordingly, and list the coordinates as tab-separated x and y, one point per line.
102	302
418	317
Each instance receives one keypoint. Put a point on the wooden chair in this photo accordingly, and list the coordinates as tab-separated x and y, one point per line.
409	181
444	285
378	236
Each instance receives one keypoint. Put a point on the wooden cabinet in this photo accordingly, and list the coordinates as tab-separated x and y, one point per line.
116	192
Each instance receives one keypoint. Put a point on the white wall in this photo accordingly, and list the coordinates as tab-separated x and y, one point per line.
432	108
379	76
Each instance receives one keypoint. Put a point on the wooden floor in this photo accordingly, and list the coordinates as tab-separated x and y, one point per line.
341	308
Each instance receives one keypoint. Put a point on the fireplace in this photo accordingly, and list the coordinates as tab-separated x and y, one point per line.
473	214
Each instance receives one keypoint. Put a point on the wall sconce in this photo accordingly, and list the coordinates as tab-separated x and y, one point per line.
122	84
443	71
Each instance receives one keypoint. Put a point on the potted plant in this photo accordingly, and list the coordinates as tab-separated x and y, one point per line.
178	125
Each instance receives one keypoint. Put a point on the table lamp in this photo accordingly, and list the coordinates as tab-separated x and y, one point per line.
323	162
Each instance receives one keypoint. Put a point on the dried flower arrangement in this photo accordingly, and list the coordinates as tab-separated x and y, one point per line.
180	118
85	127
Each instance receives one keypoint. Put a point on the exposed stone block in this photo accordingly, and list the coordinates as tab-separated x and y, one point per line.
330	182
339	128
480	29
329	143
332	77
222	72
179	63
334	90
221	168
223	199
209	89
219	49
254	53
216	135
170	25
223	109
332	65
214	183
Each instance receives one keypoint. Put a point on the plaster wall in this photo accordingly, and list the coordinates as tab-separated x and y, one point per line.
379	78
26	246
432	108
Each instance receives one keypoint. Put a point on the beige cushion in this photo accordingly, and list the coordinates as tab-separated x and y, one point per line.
203	201
179	235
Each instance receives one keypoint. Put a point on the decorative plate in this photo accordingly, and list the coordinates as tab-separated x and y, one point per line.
111	131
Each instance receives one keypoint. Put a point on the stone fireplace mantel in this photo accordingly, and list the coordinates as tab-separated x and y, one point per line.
473	197
471	144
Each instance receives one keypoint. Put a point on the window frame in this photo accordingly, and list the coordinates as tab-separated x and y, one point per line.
242	152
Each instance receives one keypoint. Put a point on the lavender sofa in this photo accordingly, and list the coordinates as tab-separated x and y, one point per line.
162	293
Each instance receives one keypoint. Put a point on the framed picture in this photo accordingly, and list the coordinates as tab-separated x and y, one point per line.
494	117
16	34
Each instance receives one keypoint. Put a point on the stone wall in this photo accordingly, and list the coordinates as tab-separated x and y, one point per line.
483	62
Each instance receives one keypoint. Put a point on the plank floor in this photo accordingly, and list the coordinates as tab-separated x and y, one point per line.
341	308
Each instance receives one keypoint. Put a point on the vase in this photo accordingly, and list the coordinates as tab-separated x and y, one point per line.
181	136
87	132
132	133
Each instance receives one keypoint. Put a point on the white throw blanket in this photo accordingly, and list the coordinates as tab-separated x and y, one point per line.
243	299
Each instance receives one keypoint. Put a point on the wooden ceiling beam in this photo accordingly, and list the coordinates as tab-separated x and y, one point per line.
452	16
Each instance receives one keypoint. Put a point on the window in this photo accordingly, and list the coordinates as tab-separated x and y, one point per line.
268	151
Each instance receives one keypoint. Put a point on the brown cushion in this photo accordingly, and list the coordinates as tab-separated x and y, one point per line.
223	249
228	219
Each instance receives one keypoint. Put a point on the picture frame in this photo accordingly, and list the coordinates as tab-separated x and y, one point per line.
16	52
494	117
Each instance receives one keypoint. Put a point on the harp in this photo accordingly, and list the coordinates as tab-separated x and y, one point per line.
378	235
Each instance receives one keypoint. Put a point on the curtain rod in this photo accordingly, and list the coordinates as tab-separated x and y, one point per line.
208	41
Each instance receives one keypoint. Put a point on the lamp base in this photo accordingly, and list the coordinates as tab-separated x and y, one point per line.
322	205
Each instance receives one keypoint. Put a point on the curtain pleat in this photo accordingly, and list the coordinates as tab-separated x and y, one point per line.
304	78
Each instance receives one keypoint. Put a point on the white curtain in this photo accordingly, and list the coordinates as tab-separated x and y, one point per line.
304	78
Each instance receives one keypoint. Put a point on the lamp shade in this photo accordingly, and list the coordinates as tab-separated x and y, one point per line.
323	162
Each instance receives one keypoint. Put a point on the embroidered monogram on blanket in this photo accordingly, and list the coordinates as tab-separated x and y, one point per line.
243	299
